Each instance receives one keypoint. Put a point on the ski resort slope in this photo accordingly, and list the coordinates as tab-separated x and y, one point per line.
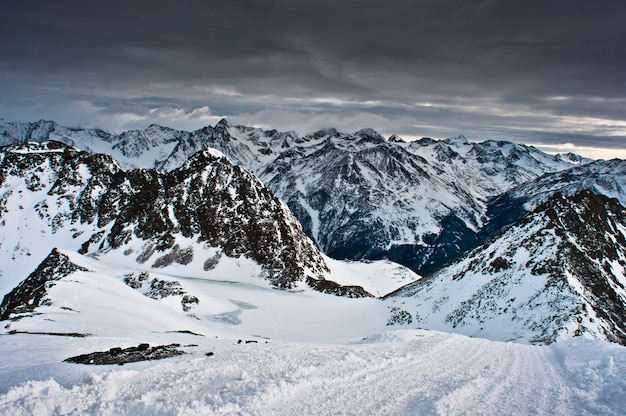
404	372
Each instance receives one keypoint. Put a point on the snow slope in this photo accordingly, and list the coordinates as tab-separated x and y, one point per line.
397	373
99	298
557	273
250	349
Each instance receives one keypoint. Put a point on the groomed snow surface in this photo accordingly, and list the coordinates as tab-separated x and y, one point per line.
402	372
301	353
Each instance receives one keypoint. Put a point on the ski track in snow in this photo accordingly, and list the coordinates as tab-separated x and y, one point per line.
399	373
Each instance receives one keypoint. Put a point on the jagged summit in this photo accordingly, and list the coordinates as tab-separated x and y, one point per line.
458	140
222	125
157	128
327	132
370	134
396	139
357	195
425	141
558	272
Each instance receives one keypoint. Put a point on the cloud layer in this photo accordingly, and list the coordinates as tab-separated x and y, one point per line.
549	72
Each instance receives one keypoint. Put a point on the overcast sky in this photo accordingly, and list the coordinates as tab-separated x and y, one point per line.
540	72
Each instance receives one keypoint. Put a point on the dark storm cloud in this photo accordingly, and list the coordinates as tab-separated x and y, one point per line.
494	68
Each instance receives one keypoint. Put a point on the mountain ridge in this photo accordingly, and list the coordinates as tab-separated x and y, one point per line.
559	271
208	200
358	196
208	218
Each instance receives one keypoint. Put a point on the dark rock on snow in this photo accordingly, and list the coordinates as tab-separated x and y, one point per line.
118	355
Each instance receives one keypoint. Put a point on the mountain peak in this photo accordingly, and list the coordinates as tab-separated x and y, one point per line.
369	135
155	126
458	140
396	139
45	122
162	219
223	123
555	273
368	131
330	132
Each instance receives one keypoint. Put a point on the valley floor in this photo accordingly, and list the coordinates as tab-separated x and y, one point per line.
254	350
400	372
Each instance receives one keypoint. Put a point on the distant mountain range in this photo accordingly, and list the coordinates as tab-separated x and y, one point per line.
543	240
356	195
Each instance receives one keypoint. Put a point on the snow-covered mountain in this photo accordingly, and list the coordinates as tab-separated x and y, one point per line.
356	195
254	350
420	204
559	272
101	264
198	219
603	177
155	147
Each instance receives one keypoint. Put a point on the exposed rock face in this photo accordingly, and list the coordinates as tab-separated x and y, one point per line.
32	291
328	286
356	195
160	289
593	251
121	356
560	271
206	202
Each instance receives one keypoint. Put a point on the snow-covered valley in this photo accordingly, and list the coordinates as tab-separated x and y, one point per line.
258	350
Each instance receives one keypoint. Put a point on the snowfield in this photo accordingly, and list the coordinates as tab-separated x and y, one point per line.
254	350
404	372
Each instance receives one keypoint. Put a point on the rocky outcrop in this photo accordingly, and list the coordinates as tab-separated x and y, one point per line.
206	202
32	292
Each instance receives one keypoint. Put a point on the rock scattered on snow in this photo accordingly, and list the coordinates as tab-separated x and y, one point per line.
118	355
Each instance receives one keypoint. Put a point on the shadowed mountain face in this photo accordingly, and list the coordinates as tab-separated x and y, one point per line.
560	271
